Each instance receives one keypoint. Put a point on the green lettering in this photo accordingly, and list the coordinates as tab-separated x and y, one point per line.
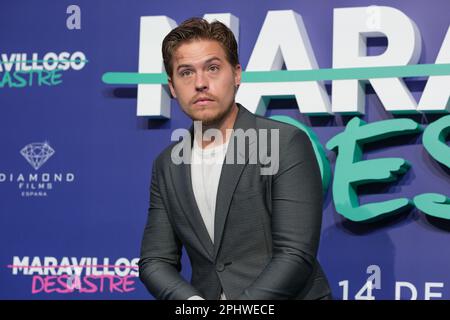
6	79
434	138
21	81
351	171
56	77
43	78
434	141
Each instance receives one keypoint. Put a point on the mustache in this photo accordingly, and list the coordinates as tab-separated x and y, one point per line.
202	96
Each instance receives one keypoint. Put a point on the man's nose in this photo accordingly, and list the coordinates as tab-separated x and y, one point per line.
201	82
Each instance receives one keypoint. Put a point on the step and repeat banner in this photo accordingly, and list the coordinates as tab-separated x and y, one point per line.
79	130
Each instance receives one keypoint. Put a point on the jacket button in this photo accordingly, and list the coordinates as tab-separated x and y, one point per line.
220	267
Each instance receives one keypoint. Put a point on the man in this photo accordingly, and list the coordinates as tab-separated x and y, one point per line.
248	235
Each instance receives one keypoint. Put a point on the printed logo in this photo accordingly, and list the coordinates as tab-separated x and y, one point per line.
77	275
37	184
37	153
17	70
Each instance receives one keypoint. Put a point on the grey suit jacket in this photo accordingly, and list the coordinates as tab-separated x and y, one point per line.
266	233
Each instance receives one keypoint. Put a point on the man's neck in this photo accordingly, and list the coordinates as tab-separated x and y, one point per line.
224	127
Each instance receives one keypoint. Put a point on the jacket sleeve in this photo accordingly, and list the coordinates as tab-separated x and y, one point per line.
295	223
160	259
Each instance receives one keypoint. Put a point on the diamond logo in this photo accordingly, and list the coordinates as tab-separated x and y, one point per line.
37	153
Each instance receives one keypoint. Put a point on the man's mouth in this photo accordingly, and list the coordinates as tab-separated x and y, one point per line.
202	101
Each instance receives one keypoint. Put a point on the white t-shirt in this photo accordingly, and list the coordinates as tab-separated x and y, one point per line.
206	167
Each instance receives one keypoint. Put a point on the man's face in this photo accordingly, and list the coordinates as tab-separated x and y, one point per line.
203	81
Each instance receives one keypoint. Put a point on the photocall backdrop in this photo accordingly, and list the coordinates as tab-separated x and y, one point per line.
78	137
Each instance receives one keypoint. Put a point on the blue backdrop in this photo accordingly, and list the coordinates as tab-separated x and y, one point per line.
74	202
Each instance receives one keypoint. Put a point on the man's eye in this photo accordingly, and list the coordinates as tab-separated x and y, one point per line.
214	68
185	73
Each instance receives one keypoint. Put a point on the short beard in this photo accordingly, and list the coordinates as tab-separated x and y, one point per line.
215	122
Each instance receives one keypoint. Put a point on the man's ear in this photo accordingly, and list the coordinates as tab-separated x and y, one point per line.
237	75
171	87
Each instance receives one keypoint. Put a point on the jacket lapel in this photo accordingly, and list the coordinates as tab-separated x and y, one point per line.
230	175
181	177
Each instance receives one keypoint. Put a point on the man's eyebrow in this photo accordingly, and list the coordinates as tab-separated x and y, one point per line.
206	61
212	59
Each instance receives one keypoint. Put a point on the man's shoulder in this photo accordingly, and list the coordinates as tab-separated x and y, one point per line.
263	122
165	155
285	130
